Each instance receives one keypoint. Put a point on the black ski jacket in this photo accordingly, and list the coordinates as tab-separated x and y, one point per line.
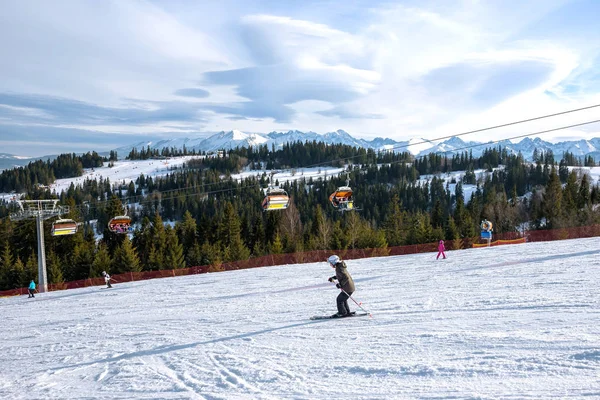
344	278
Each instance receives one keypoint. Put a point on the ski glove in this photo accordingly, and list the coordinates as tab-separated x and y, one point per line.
332	279
337	285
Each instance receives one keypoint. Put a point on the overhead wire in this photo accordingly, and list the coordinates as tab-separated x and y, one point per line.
403	146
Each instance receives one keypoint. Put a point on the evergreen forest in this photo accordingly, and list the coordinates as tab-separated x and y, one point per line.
200	215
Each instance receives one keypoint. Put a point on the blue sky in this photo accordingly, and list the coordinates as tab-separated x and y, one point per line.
86	75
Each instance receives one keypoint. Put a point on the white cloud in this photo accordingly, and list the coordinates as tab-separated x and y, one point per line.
426	70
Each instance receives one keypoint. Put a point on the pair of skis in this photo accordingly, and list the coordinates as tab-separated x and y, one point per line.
336	316
352	314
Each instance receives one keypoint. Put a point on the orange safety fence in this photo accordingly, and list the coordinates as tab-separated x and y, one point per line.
500	242
321	255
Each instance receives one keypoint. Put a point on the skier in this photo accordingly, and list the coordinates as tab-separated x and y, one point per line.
441	249
345	283
31	289
106	279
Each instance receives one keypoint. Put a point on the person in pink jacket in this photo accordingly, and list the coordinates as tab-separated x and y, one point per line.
441	249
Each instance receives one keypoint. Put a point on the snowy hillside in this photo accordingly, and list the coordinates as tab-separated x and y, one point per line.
123	172
126	171
519	322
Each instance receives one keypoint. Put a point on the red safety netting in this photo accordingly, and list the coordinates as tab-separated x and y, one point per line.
321	255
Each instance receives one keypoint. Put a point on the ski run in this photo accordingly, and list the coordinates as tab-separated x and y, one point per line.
507	322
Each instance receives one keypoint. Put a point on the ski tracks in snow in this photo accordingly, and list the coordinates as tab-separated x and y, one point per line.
183	381
236	372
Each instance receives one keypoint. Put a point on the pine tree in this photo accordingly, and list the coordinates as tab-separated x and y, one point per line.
102	261
211	254
353	228
186	231
229	234
453	234
174	258
31	268
569	198
583	196
81	261
155	259
552	204
142	241
194	256
468	231
257	237
563	171
6	263
323	229
53	266
394	222
276	246
125	258
158	238
17	274
437	215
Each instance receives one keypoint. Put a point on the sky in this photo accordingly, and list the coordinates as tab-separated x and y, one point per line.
87	75
506	322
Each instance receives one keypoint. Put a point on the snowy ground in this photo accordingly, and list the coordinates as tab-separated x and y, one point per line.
519	322
456	176
124	171
291	175
593	172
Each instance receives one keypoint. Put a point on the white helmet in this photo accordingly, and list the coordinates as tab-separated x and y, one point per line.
333	259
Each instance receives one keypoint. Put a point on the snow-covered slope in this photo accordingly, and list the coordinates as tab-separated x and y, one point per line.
123	172
519	322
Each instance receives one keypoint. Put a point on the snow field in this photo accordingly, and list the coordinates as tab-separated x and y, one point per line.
518	322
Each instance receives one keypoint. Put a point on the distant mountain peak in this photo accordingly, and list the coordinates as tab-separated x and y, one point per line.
238	135
225	140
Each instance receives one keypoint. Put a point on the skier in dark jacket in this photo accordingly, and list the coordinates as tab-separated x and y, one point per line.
345	283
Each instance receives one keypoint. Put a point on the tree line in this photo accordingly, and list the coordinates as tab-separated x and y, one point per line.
200	215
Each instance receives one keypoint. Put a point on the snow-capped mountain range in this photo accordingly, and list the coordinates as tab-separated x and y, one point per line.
419	147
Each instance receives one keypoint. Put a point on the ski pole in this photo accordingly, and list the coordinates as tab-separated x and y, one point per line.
355	302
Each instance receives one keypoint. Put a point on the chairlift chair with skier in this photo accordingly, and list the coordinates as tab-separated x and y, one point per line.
120	224
342	199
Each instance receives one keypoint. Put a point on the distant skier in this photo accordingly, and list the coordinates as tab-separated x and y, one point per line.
31	289
345	283
441	249
106	279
